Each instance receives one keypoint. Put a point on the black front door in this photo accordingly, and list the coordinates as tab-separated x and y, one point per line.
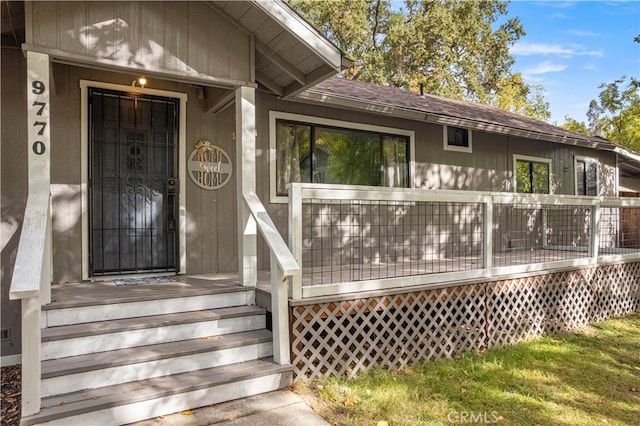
133	183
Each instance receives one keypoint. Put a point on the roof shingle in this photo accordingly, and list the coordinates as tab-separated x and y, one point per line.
429	104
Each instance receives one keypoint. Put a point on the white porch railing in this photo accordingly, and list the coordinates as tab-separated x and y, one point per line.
283	265
31	282
352	238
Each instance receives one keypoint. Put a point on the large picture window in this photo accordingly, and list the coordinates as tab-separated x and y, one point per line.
326	153
532	175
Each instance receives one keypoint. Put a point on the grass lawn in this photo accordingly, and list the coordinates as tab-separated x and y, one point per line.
589	377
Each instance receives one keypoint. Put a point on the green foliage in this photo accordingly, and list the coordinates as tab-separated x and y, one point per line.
455	49
619	111
575	125
532	177
615	115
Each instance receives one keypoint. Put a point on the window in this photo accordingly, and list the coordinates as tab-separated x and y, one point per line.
456	139
586	176
311	149
532	175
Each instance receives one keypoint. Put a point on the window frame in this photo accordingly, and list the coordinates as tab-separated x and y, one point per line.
445	140
274	116
587	161
530	159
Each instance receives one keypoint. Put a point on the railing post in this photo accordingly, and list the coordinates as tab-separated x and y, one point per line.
594	241
30	356
295	237
487	249
280	314
47	261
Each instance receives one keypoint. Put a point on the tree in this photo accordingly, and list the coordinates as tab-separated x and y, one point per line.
620	112
615	115
575	125
454	49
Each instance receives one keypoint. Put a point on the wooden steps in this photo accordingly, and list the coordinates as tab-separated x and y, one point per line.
142	357
145	399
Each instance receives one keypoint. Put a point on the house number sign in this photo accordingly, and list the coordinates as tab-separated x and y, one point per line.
209	166
38	124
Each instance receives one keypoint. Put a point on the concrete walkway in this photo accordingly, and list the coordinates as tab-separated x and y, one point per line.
279	408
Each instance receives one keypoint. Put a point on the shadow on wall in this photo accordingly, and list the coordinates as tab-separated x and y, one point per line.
10	313
111	39
440	176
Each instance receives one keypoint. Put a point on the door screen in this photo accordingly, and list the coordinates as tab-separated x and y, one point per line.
133	183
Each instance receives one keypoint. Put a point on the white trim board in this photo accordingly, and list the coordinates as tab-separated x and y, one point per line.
84	164
8	360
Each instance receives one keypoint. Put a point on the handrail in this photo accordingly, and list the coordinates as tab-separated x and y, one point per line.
30	261
283	265
375	193
274	240
31	282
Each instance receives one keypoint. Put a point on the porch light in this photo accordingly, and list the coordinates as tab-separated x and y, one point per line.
140	80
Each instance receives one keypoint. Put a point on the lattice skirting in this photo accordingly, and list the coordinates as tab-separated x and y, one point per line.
346	337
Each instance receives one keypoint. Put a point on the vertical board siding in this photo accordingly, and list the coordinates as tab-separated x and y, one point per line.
187	37
128	39
198	48
177	36
152	34
13	185
75	16
44	24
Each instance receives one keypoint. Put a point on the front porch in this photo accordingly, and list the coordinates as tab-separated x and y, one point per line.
115	354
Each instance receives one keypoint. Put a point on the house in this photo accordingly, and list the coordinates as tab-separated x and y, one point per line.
286	222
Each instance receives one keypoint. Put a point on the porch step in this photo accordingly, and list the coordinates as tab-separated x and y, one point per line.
127	365
78	310
102	336
113	357
135	401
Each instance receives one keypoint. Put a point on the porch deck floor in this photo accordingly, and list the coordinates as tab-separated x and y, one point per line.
106	291
191	285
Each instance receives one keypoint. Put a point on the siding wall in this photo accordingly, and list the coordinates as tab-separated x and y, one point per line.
13	186
189	38
488	168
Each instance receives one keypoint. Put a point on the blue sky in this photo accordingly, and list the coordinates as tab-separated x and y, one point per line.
571	47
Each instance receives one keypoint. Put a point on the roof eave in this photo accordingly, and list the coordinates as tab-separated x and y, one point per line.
332	57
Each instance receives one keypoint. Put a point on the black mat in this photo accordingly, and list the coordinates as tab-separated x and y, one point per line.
145	280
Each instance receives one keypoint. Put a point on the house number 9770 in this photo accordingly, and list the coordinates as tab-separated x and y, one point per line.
38	88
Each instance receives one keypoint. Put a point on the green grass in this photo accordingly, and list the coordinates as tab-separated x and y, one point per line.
590	377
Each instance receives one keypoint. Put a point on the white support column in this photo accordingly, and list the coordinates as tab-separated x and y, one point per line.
295	237
487	249
246	184
280	314
594	241
39	144
39	166
31	367
38	124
